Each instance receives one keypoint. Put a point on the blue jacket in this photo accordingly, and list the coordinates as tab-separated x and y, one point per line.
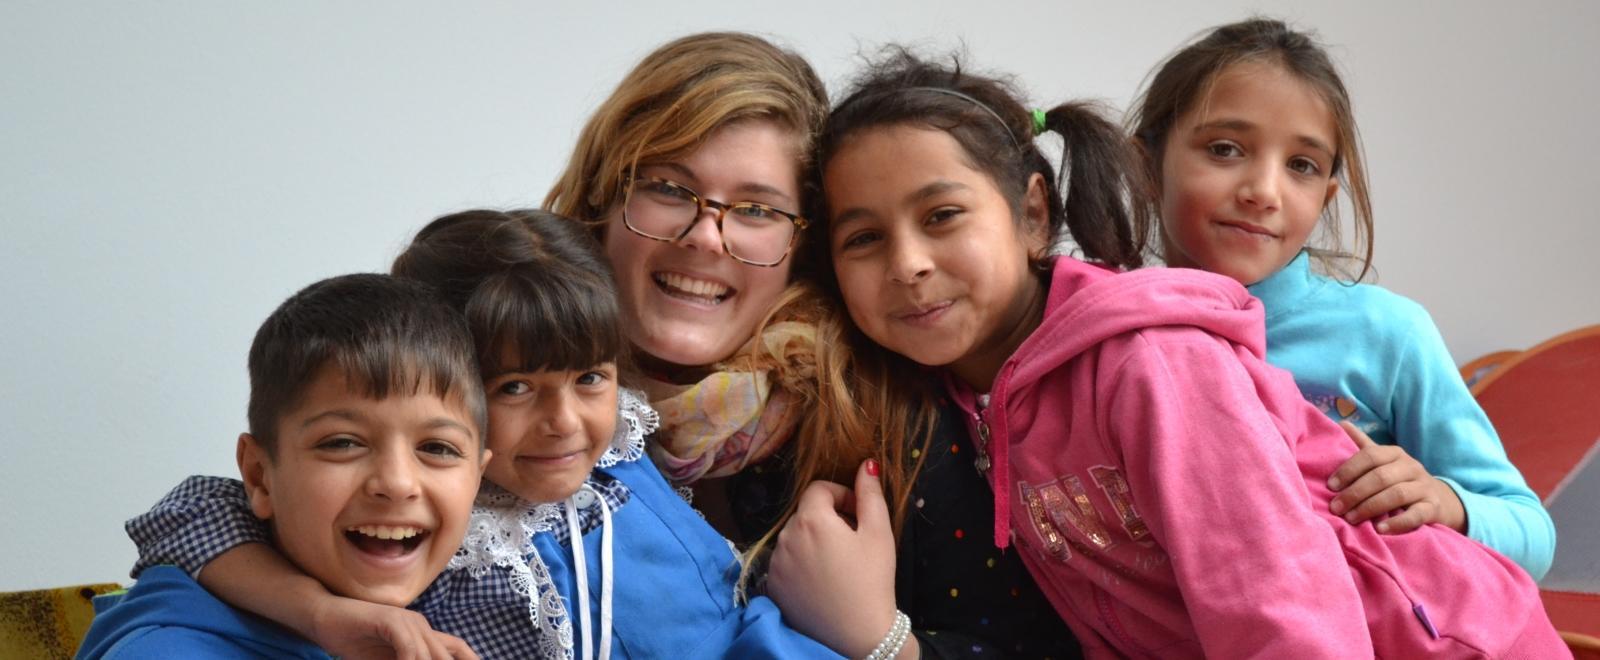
168	615
673	580
1375	358
512	588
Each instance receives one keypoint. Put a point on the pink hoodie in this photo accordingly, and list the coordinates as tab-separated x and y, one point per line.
1168	489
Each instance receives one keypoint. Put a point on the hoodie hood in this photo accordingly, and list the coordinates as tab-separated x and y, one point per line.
1089	304
188	619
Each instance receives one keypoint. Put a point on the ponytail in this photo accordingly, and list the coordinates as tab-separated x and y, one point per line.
878	404
1098	182
1100	176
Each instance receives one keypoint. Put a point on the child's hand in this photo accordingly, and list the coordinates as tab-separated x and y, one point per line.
1383	478
350	628
833	577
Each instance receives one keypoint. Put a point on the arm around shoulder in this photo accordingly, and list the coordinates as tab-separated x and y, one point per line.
193	524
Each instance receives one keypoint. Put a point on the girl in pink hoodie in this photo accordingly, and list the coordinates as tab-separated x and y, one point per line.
1166	486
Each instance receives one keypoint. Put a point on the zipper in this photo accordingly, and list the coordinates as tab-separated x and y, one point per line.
982	460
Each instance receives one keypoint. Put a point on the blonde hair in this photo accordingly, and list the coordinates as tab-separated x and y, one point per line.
676	98
665	109
864	402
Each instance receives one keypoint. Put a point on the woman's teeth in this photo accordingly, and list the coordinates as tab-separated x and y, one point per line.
675	283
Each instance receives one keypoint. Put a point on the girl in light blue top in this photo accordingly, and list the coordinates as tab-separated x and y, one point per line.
1248	136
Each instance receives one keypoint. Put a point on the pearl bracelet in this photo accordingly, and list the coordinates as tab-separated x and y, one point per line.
895	640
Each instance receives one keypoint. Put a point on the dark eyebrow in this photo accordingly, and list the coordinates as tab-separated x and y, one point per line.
1227	125
918	195
447	423
846	217
347	415
935	188
352	416
677	168
1318	145
1243	126
753	188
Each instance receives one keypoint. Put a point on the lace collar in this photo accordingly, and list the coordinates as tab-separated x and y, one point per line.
502	527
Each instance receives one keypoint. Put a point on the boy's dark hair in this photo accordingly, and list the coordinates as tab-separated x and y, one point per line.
389	336
1099	173
1185	79
536	291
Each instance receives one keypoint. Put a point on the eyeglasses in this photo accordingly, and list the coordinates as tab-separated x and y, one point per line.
757	234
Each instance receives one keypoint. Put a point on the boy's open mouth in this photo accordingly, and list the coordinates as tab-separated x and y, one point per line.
386	541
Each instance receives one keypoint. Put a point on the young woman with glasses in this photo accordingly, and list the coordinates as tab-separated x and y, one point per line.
690	174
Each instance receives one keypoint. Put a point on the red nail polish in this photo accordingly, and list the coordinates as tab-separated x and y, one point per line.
872	467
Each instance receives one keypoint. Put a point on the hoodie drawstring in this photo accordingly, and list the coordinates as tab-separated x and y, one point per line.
606	564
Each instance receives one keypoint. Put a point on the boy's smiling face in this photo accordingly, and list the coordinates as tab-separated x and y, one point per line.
370	497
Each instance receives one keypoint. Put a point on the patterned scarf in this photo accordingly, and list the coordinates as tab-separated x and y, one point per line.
737	415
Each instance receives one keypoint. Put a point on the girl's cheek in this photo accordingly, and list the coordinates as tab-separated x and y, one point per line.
852	288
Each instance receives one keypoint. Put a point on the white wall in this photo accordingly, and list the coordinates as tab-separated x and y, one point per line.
170	171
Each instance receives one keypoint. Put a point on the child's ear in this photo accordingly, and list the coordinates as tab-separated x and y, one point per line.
254	465
1333	189
1036	216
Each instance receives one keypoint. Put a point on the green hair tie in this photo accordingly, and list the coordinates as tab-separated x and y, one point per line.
1038	121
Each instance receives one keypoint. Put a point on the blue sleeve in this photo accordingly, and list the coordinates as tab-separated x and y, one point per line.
758	631
177	642
194	644
1436	420
195	523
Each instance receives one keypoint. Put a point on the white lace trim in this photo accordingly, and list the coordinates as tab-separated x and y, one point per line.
502	526
687	494
635	420
500	533
739	598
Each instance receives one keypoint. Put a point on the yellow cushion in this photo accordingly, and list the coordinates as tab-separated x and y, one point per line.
48	623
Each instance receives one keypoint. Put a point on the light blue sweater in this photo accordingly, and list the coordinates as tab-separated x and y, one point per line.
1375	358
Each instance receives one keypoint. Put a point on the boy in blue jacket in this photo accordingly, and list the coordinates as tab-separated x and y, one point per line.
577	546
364	455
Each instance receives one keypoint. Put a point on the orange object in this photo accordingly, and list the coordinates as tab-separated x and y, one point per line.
1545	403
1475	370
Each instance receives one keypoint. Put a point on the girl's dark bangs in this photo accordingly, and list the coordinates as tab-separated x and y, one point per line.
537	321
